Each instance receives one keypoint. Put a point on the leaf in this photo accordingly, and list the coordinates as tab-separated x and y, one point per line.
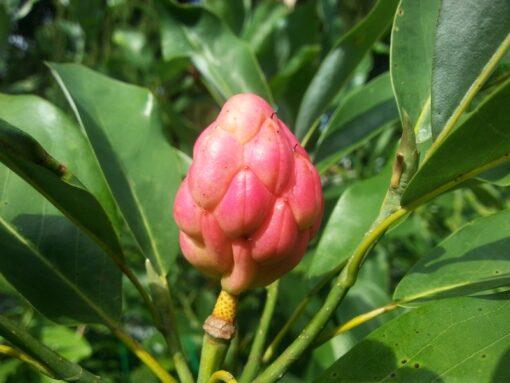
142	170
354	213
481	142
262	22
500	175
412	46
30	161
362	115
68	343
226	62
71	278
61	367
433	343
473	258
338	66
471	38
231	12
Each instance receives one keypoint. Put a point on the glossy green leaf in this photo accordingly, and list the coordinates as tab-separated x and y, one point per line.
226	62
471	37
452	340
61	367
412	46
354	213
362	115
142	170
338	66
49	261
473	258
481	142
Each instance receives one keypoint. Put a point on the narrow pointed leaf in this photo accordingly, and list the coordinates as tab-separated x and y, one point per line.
340	63
362	115
481	142
452	340
471	37
141	168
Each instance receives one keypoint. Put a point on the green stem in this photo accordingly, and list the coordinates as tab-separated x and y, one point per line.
298	311
165	321
213	354
254	359
60	367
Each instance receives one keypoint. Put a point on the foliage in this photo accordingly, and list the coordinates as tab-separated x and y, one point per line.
402	106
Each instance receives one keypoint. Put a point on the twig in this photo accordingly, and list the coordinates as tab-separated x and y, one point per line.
252	366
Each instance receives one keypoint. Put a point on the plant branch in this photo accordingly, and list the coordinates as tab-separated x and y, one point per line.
252	366
143	355
165	321
60	367
20	355
298	311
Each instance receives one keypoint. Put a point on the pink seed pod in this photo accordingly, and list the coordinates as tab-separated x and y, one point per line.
251	200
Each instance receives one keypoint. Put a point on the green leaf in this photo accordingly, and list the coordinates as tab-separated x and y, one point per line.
53	179
70	278
232	12
473	258
481	142
471	37
142	170
354	213
338	66
362	115
412	46
226	62
452	340
68	343
262	22
61	367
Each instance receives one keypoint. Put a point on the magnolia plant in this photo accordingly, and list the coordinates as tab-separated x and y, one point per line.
346	206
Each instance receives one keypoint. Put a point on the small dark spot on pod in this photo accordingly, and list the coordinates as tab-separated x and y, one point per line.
393	374
404	361
483	356
417	365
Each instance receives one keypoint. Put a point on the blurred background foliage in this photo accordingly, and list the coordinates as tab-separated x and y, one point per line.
123	39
